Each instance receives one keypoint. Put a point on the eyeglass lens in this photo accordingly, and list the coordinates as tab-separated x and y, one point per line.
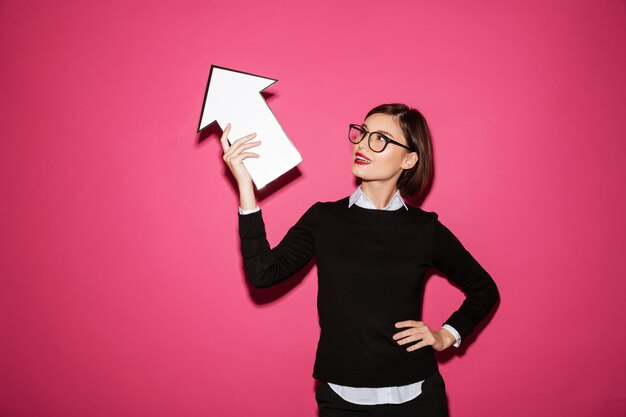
376	141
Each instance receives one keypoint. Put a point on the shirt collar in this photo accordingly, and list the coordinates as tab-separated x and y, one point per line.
359	198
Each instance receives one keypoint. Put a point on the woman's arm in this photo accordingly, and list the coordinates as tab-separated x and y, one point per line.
481	292
233	156
481	295
264	266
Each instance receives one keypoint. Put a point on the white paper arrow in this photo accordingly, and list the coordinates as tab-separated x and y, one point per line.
235	97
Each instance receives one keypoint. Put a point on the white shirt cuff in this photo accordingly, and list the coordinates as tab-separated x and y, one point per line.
250	211
456	334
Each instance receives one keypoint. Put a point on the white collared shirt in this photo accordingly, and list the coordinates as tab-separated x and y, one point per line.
361	199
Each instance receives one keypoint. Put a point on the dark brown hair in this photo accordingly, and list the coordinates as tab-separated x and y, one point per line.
415	181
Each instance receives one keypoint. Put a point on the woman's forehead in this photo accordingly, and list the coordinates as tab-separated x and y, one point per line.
385	123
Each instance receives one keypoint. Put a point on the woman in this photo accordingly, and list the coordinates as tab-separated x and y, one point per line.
374	356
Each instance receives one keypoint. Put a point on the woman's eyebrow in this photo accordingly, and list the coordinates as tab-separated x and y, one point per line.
380	131
386	133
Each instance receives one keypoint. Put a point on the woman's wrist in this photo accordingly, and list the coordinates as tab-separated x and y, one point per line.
247	200
447	338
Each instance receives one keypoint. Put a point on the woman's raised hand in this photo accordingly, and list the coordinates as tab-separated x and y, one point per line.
233	156
418	332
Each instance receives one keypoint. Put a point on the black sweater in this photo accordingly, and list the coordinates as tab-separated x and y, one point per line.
371	266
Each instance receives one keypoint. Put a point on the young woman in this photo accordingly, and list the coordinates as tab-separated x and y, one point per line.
374	356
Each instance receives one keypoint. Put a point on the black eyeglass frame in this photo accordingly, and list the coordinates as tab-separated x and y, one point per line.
366	133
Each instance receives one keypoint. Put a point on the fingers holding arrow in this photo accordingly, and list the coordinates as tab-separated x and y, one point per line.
224	138
235	154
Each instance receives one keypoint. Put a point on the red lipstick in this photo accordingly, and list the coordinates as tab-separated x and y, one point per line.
361	159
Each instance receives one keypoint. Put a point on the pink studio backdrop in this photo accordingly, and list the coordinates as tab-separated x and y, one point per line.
122	292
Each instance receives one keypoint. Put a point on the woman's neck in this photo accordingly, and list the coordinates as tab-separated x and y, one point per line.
379	194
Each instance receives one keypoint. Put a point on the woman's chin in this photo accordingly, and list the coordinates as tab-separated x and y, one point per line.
357	171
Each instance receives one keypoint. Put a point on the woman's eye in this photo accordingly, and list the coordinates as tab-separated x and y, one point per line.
380	138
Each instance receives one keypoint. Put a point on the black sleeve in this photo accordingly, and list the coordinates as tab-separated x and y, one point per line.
266	266
481	293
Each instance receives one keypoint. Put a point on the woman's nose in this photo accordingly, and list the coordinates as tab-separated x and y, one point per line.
363	144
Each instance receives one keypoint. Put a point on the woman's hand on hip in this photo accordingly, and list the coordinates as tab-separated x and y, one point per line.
417	331
235	154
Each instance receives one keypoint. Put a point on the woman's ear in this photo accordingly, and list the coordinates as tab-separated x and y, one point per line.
409	160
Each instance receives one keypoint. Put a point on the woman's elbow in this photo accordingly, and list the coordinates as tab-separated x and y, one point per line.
259	282
261	277
494	294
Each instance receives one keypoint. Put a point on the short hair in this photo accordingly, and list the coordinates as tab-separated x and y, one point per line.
414	182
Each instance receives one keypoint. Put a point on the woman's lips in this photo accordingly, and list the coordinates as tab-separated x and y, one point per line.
361	159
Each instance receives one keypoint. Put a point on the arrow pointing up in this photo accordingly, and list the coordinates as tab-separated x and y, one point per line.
235	97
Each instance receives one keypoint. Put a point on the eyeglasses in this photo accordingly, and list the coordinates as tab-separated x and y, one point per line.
376	140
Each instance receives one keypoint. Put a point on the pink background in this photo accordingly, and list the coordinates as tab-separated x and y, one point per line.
121	289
